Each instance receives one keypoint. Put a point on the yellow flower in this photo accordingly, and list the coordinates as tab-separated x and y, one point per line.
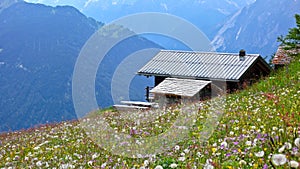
251	155
213	150
229	167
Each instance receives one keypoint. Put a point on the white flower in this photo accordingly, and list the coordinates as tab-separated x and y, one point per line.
260	154
173	165
224	144
36	148
248	143
66	166
103	165
242	162
182	154
181	158
90	163
281	149
297	142
208	165
199	154
294	164
39	163
96	155
186	151
146	163
159	167
177	147
231	133
288	145
279	159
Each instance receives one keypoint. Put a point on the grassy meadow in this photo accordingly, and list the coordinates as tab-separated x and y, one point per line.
257	128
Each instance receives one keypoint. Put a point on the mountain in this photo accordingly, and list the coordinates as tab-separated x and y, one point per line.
256	27
6	3
39	46
206	15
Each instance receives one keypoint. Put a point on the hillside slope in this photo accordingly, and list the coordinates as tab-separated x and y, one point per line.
258	128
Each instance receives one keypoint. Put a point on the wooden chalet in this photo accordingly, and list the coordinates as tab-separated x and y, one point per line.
186	74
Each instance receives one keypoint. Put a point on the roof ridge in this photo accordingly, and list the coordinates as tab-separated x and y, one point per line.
220	53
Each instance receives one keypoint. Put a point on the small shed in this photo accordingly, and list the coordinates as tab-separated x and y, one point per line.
186	90
237	70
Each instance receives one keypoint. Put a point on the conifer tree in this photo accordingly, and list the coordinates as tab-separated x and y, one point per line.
292	40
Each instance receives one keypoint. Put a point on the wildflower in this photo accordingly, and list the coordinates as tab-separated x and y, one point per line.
288	145
294	164
279	159
235	143
181	158
177	147
96	155
173	165
248	143
90	163
103	165
36	148
66	166
242	162
281	149
186	151
297	142
208	165
146	163
260	154
224	144
159	167
39	163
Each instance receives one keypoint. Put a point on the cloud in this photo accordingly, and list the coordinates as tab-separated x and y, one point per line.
88	2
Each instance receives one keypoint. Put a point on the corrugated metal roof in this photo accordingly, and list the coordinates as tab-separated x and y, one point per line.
198	65
180	87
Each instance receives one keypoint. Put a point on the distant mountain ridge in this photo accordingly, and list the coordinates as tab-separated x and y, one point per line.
205	14
255	28
39	46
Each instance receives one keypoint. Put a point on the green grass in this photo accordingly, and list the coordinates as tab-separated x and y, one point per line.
250	129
